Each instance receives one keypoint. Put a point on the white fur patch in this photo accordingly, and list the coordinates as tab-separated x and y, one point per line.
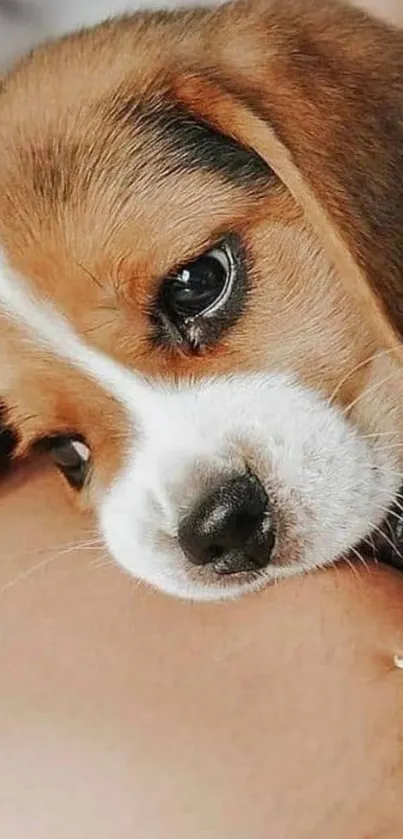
331	488
329	485
47	327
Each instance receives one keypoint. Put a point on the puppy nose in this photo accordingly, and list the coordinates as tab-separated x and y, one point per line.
231	529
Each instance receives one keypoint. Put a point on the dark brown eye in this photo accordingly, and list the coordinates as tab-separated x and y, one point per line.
201	287
197	303
72	456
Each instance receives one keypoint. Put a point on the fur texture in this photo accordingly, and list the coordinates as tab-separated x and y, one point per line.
131	149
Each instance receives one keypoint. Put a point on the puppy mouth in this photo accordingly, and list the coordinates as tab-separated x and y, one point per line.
385	544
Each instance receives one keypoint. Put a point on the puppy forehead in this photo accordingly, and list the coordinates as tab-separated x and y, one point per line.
118	182
91	122
127	179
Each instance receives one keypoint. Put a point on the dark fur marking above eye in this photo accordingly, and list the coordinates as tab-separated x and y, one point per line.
54	168
192	143
199	145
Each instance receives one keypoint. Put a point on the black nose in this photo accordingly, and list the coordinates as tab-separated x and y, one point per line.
231	529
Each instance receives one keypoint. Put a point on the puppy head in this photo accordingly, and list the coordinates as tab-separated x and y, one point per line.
200	263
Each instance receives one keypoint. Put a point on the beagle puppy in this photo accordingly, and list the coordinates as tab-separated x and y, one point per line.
201	295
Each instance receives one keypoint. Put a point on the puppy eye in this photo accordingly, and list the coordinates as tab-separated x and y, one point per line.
72	456
201	287
199	302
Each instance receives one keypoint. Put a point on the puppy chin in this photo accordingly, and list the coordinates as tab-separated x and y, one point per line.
328	486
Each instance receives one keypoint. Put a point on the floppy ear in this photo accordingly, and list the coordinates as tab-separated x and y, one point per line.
316	89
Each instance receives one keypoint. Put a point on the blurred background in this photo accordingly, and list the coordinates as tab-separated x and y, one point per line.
24	23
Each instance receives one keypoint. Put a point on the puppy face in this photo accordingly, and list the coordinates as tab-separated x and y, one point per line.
192	322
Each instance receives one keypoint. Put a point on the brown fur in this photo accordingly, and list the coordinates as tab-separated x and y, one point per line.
98	202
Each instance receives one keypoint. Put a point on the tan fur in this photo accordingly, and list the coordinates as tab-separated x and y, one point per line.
307	85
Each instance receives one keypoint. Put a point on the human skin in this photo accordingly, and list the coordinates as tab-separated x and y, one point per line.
124	713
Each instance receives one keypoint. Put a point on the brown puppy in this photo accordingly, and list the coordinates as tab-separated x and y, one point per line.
200	283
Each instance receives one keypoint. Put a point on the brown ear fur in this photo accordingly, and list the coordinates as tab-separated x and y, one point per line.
316	88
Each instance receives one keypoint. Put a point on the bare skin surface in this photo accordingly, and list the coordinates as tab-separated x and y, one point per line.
125	713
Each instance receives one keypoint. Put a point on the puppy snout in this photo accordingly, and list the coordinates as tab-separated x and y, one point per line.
231	529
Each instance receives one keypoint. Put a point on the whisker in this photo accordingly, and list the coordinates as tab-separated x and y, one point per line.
367	391
397	503
26	418
89	544
105	308
99	326
62	549
371	542
391	544
117	278
390	448
28	573
351	372
90	275
389	512
378	434
360	558
374	357
389	526
106	562
351	565
394	473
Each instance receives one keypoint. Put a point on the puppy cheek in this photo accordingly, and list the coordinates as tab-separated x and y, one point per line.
121	509
138	526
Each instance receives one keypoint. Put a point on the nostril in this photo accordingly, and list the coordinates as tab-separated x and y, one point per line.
230	529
